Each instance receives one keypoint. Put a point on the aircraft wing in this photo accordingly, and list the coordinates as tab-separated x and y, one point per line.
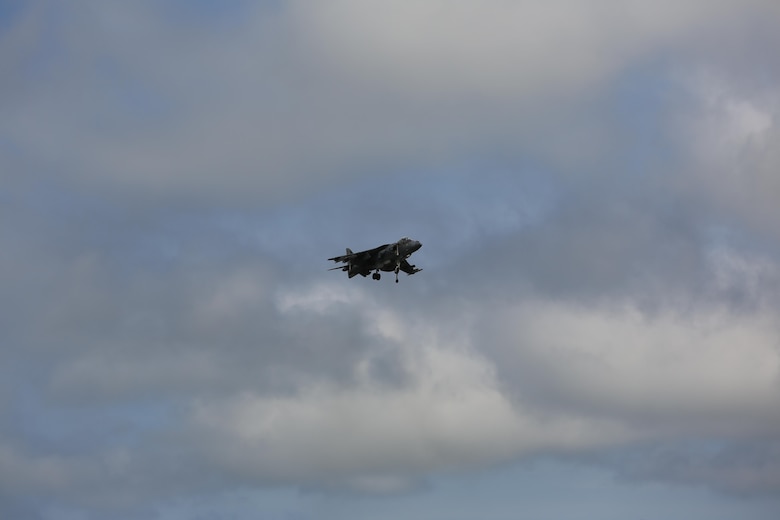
408	268
360	257
344	258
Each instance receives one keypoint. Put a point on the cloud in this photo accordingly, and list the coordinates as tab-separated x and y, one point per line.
546	378
700	366
744	469
299	96
594	185
498	49
731	135
474	389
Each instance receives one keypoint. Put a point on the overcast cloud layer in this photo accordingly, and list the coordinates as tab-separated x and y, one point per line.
595	184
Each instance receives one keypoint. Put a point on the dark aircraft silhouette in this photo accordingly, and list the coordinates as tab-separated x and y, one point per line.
387	257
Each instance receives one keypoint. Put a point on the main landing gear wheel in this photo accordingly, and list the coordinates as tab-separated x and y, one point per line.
397	262
376	276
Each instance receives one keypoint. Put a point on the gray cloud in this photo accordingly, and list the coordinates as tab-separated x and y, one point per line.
294	98
745	469
601	265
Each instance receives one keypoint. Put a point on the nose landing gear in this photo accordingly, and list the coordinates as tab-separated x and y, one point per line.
376	275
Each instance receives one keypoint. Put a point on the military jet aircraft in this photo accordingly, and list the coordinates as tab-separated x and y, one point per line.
387	257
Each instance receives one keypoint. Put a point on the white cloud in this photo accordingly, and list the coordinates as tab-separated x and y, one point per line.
703	371
451	416
732	135
549	378
515	50
295	97
480	383
320	298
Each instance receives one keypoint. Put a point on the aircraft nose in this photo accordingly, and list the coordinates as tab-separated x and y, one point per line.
417	245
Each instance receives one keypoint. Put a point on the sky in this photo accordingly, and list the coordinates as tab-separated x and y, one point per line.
595	333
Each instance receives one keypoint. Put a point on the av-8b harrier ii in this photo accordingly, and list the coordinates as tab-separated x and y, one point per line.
387	257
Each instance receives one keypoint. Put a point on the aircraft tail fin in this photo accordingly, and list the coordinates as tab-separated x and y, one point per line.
349	251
